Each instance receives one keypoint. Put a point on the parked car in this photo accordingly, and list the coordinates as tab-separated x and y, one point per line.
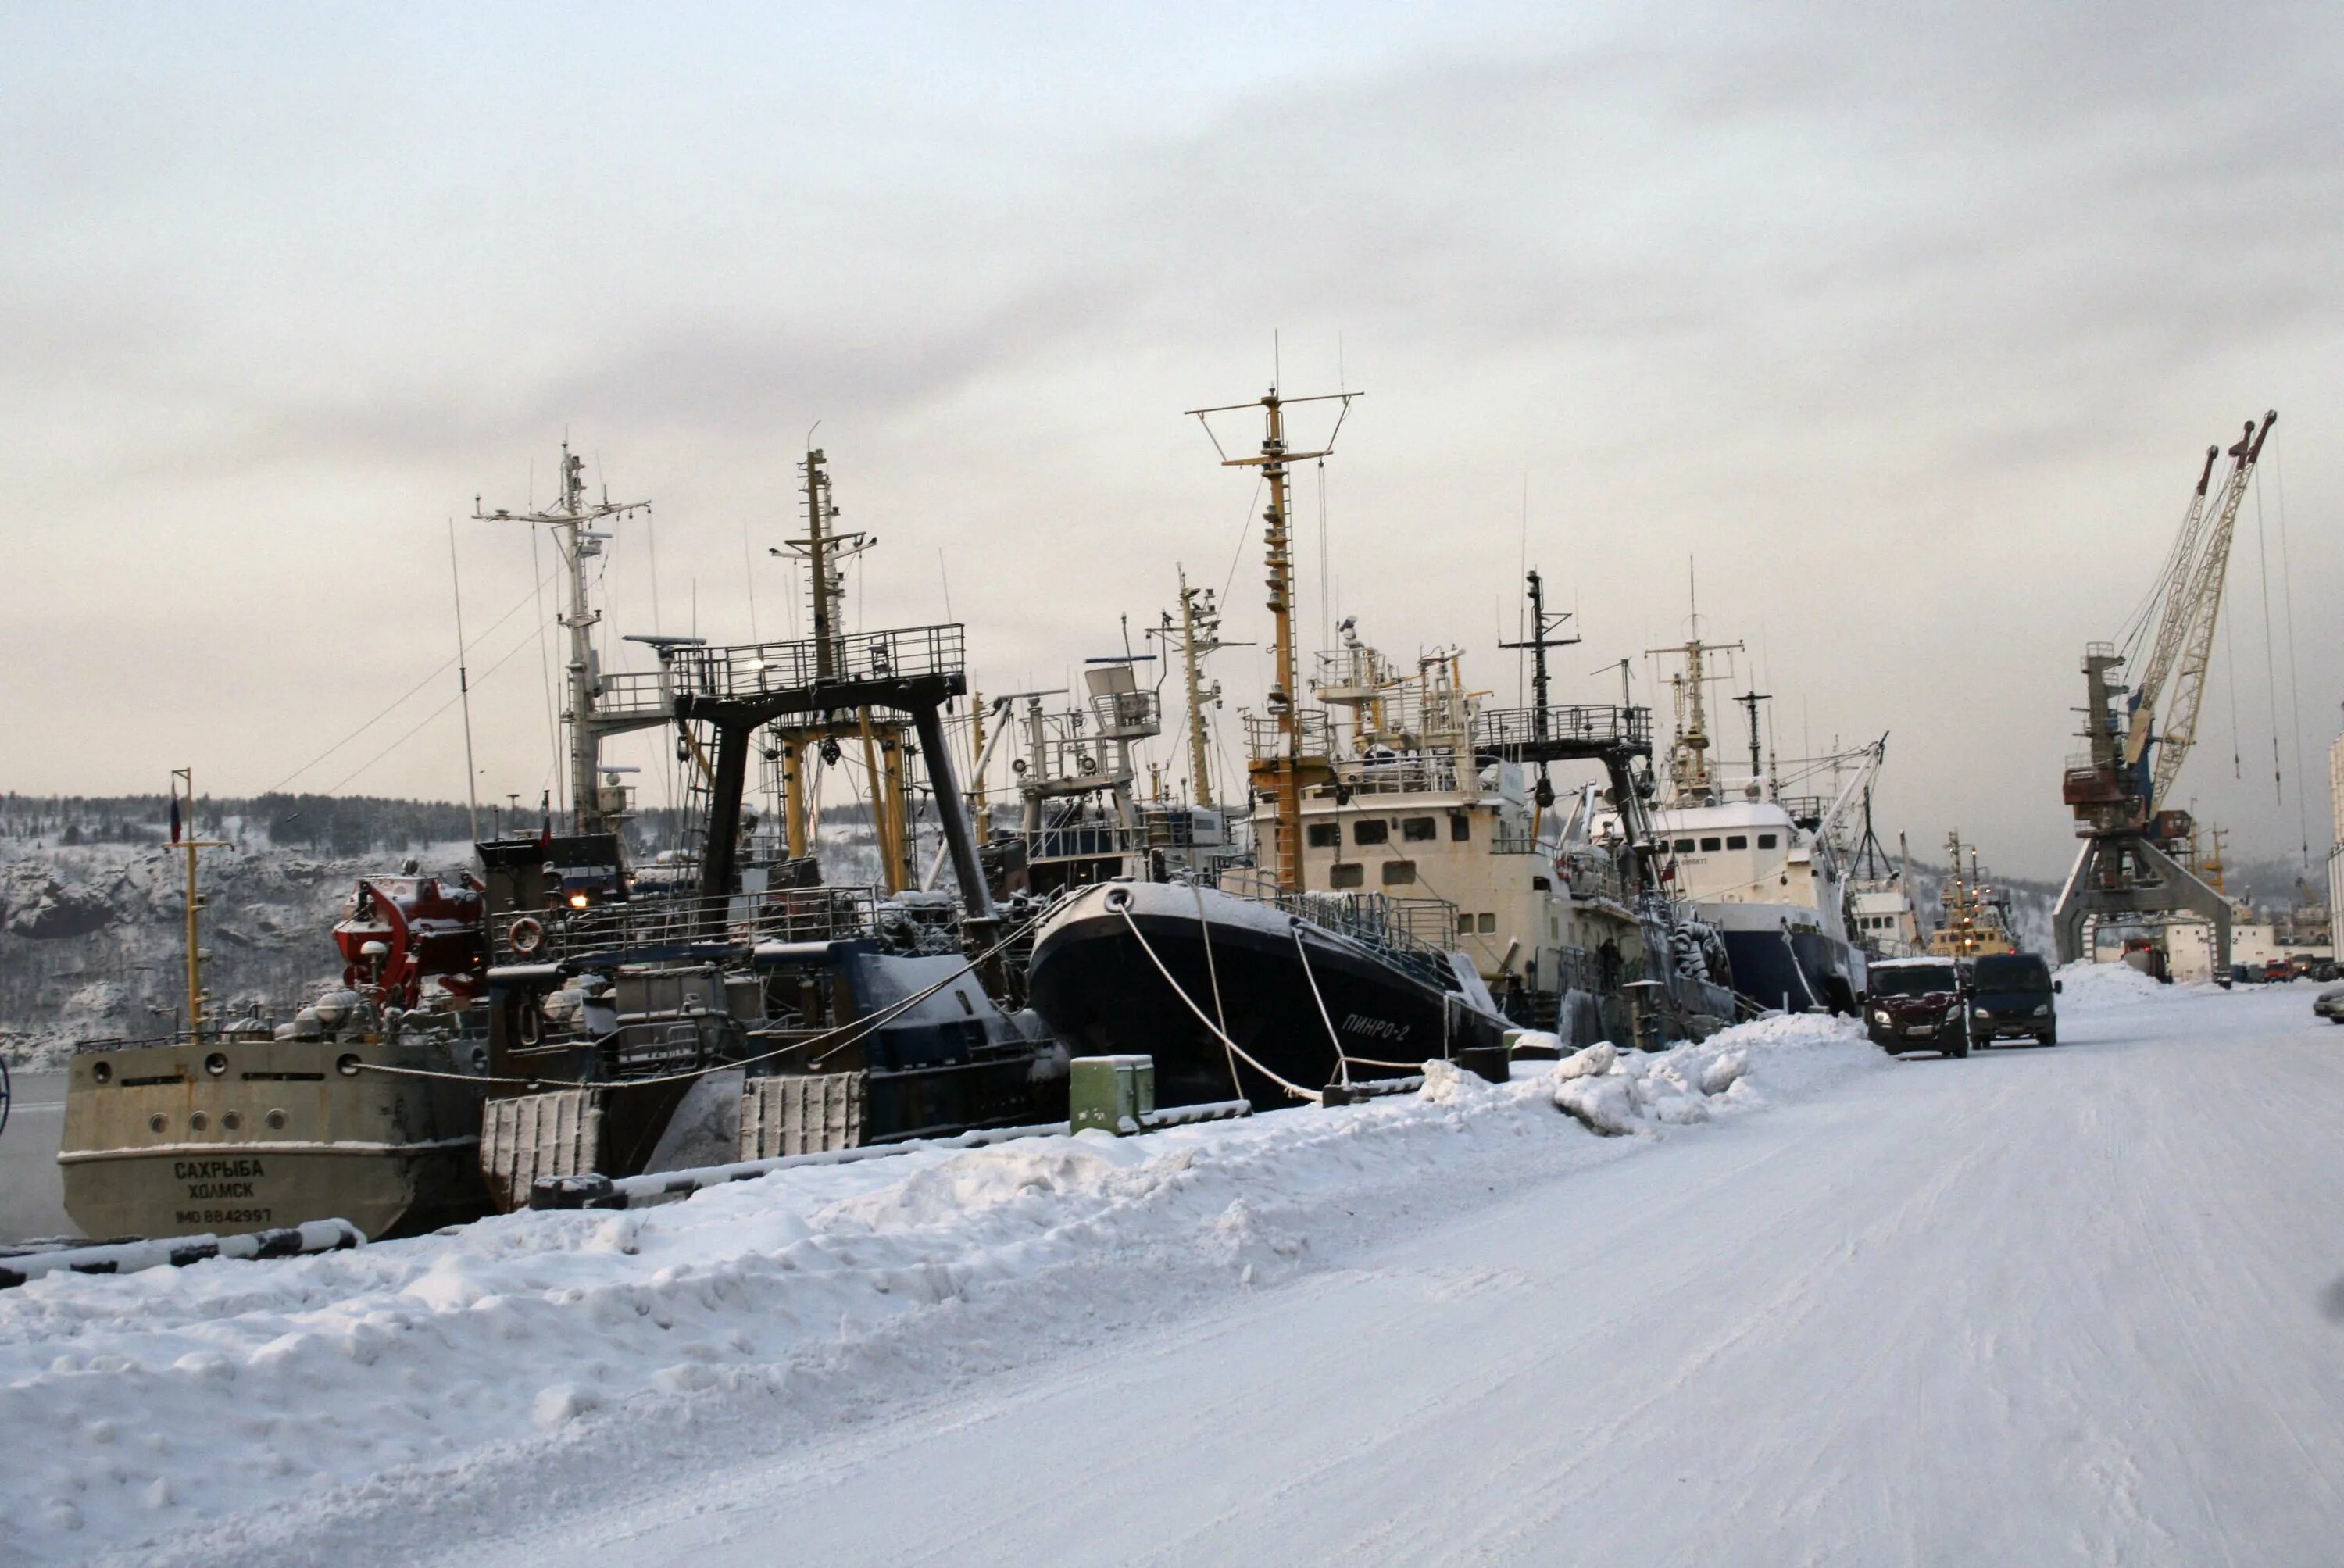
2011	998
2276	970
1916	1005
2329	1004
2323	970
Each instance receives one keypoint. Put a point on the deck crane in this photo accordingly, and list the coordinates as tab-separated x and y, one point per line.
2118	789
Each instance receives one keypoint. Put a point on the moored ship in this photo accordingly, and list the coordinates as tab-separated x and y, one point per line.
362	1108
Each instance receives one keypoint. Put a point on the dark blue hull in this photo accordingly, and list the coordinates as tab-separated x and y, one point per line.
1807	970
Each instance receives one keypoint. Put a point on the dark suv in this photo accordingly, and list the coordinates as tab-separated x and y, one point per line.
2010	997
1916	1005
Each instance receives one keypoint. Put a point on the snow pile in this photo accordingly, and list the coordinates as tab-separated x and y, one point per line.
200	1409
1616	1093
2086	985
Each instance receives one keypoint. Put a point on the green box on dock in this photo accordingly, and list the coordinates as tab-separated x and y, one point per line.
1110	1093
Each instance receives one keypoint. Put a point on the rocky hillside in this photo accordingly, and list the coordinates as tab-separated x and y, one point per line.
91	935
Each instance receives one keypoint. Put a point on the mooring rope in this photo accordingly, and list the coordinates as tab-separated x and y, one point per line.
1213	974
1342	1062
1122	906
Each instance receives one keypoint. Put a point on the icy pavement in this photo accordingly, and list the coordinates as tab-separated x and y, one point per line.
2037	1306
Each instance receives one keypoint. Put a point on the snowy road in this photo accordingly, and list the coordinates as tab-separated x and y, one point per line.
2042	1306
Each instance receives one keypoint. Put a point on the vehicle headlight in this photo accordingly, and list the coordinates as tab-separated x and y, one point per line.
1953	1014
2044	1011
1879	1017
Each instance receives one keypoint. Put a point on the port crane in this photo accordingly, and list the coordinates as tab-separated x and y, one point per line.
2139	736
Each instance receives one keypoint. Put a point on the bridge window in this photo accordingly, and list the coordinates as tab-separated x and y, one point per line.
1345	875
1737	841
1489	924
1684	847
1710	846
1325	834
1398	872
1371	830
1768	841
1419	829
1460	827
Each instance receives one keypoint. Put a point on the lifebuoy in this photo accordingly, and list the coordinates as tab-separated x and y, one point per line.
526	934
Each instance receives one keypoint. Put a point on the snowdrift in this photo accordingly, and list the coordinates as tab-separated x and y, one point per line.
200	1410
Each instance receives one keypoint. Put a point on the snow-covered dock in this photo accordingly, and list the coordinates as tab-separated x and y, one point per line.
2076	1304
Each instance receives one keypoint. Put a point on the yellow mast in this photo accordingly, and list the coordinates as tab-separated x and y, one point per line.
976	804
1281	776
191	844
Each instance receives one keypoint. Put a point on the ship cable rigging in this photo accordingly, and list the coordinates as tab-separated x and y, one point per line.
393	706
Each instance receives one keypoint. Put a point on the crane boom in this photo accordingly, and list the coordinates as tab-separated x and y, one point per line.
2173	623
2204	607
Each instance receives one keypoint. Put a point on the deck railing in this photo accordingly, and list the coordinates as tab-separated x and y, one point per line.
744	672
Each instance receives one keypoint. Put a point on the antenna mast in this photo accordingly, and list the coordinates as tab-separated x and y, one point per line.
1542	627
1200	625
1281	775
568	522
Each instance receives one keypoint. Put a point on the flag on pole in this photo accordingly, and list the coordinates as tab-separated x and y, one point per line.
545	835
175	810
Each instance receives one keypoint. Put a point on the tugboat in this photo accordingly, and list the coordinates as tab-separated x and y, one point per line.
359	1109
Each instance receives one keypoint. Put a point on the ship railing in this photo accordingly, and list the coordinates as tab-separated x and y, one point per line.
1595	727
1803	808
1514	844
1264	743
776	914
1079	841
1592	875
1075	765
746	671
1401	773
1416	934
1127	715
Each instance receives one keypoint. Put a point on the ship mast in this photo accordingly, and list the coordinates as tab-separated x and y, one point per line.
1542	627
570	523
1280	776
1200	625
197	995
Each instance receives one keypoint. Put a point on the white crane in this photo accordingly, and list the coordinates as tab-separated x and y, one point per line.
2185	630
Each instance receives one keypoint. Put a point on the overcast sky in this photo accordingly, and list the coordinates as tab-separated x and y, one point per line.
1906	330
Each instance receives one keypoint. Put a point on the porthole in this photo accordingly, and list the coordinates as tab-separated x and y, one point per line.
157	1122
276	1121
200	1122
232	1119
348	1066
216	1063
101	1072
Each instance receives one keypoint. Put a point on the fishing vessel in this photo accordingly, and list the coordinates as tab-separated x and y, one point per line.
360	1108
1880	912
1765	866
1976	918
1289	980
738	991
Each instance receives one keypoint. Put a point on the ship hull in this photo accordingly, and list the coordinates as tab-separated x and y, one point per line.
1795	969
229	1136
1096	987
